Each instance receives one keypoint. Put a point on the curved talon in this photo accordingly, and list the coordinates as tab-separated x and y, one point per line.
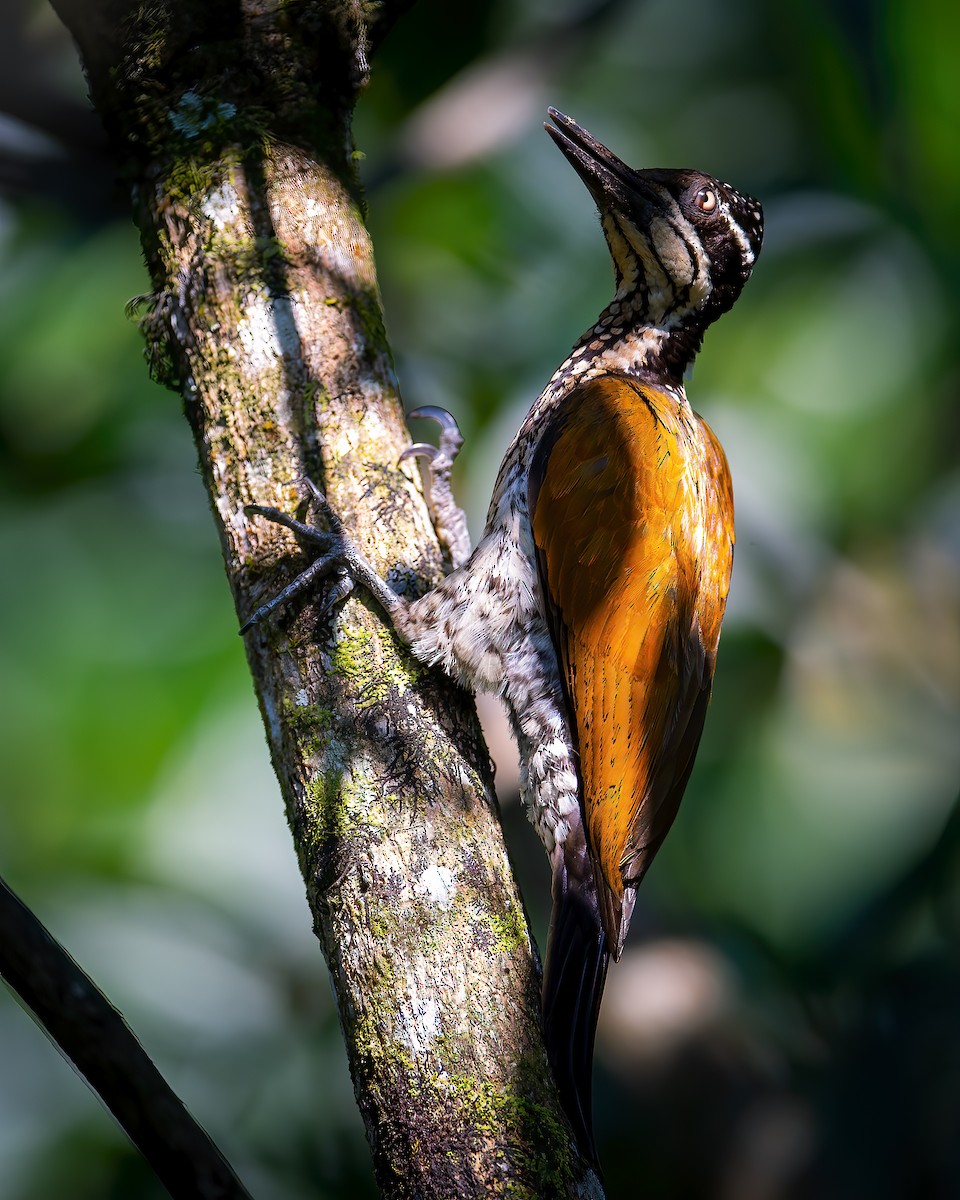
433	412
316	496
338	592
436	469
451	439
421	450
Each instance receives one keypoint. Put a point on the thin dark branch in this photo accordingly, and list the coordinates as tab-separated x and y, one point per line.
90	1032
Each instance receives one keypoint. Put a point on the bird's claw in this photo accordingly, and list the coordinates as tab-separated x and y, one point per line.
451	439
335	553
439	458
422	450
449	520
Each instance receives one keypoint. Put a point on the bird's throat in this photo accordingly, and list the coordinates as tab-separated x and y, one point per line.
622	343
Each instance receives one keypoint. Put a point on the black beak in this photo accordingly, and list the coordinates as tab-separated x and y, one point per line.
611	182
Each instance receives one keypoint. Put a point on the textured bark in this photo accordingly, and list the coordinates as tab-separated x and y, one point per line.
230	121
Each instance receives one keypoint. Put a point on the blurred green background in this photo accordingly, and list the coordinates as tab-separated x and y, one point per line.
786	1020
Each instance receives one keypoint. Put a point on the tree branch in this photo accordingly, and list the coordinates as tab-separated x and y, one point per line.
96	1039
231	121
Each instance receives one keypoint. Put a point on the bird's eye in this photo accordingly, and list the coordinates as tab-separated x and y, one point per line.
706	200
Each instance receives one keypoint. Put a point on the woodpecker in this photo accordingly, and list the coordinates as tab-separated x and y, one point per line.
593	600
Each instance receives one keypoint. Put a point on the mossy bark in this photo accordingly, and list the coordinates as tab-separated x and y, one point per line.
231	125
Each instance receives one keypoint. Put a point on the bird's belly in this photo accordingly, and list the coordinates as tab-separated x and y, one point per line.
484	624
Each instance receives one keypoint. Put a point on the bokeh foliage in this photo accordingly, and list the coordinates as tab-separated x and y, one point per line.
785	1023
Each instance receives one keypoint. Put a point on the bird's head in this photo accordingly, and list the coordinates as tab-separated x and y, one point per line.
683	243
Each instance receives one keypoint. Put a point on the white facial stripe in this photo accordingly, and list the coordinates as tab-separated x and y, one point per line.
742	240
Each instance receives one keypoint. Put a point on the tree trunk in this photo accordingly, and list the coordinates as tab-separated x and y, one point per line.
231	123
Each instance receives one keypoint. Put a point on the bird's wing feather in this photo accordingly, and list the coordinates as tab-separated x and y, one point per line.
633	566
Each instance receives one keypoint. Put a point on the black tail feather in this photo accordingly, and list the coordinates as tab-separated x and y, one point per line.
573	980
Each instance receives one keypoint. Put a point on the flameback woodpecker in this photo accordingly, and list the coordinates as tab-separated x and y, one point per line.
593	600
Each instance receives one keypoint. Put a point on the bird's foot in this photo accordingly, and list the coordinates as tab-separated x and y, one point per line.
339	560
449	519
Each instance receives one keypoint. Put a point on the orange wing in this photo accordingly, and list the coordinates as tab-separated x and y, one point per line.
632	517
